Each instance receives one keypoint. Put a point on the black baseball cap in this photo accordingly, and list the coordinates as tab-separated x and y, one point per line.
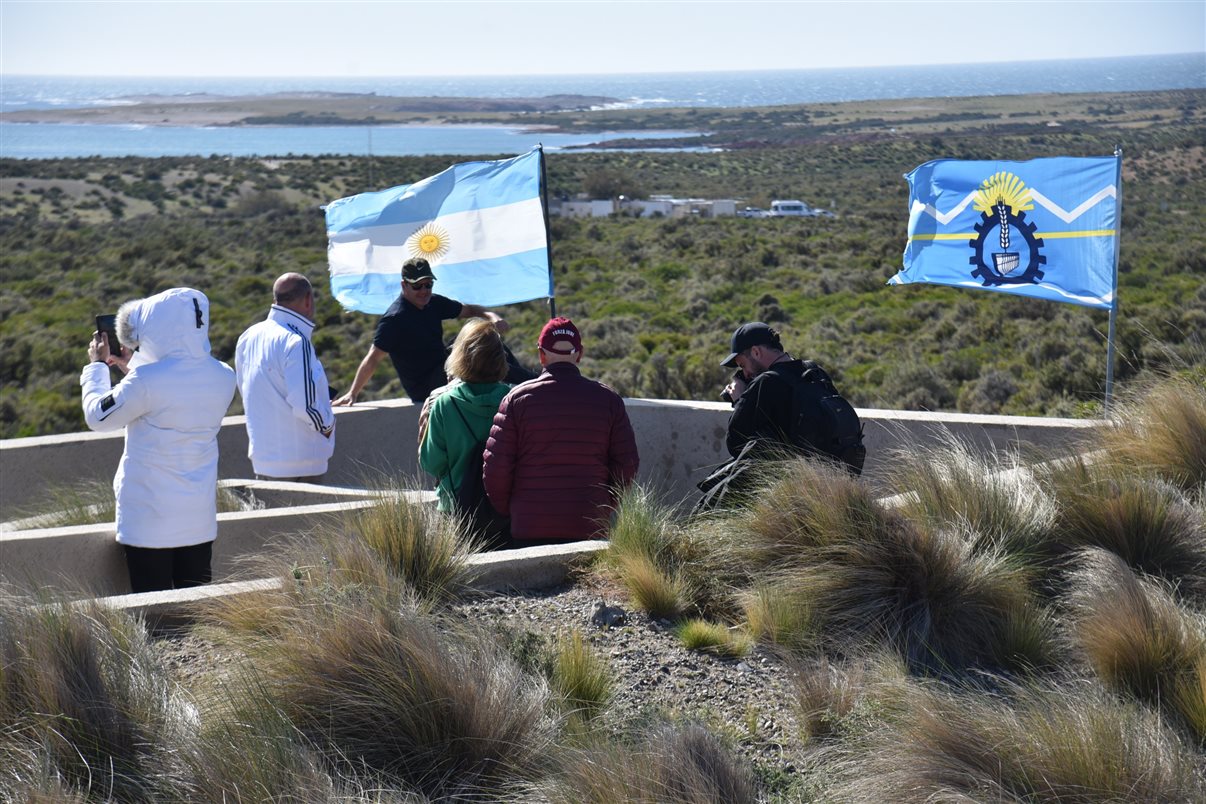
755	333
416	269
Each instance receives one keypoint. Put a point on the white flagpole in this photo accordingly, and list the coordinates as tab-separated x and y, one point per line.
1109	388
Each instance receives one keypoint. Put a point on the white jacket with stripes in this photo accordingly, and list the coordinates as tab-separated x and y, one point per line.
171	404
290	424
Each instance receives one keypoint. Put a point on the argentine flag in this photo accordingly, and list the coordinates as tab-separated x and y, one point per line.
481	226
1046	228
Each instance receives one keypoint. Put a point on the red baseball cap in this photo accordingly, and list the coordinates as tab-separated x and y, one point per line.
559	330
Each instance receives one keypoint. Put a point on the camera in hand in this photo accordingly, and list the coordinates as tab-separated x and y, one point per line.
739	374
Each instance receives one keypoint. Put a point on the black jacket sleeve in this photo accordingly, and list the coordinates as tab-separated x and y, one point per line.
763	412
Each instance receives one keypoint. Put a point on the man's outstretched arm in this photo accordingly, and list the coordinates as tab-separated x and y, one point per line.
363	374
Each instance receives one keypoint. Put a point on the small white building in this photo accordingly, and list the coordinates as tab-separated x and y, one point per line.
593	208
656	206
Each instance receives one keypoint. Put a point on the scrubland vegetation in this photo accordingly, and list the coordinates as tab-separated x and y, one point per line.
656	299
1005	628
998	630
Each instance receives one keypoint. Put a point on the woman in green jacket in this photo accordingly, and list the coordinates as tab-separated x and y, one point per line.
460	418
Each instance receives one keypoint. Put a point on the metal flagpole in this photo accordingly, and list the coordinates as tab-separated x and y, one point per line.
1109	388
548	240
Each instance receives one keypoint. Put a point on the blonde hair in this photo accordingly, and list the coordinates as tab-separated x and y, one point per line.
477	354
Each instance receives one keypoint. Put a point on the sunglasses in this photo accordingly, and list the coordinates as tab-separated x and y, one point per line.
422	285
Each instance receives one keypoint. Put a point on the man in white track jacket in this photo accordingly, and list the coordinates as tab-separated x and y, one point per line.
290	425
171	403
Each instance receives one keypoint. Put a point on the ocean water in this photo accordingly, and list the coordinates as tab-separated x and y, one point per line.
637	91
56	141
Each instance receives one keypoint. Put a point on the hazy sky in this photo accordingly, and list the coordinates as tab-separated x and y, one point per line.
217	38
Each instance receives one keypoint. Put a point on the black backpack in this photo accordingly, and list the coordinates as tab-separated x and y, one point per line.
822	421
471	501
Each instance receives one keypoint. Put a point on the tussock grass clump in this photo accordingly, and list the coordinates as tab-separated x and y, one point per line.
803	507
1138	640
321	573
655	591
830	696
667	568
781	614
247	751
1038	743
1162	430
711	637
994	498
927	593
1142	519
831	567
582	680
395	694
417	543
643	526
673	764
85	707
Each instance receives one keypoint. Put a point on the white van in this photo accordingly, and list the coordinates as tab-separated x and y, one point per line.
791	209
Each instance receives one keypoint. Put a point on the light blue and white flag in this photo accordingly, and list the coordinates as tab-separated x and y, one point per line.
481	226
1046	228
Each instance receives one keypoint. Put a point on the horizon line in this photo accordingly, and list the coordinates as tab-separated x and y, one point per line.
367	77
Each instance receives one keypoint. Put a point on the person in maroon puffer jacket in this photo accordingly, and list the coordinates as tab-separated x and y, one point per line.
560	449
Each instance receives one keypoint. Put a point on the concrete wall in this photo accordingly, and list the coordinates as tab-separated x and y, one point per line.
680	442
87	559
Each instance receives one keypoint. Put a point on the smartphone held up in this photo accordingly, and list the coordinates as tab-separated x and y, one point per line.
108	325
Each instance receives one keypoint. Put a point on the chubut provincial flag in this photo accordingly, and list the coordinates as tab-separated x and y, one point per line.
1046	228
481	225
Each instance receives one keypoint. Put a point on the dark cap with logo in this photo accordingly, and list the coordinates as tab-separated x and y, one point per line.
747	336
560	330
416	269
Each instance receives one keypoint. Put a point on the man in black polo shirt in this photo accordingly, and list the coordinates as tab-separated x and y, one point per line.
411	332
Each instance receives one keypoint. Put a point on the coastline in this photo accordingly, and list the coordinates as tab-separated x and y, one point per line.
316	108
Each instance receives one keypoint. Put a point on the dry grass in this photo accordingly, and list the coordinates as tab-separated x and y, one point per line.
831	696
1144	520
583	680
781	615
84	706
428	550
1068	743
1161	430
802	507
1138	639
994	498
661	595
398	695
672	765
926	593
311	574
710	637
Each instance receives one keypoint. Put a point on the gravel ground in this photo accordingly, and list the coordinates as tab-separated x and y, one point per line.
747	701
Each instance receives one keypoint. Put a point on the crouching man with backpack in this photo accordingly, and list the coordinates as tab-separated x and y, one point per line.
781	406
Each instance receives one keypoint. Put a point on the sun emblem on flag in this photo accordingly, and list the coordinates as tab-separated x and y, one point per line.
429	242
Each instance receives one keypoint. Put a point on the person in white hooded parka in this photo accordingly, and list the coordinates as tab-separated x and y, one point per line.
171	403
